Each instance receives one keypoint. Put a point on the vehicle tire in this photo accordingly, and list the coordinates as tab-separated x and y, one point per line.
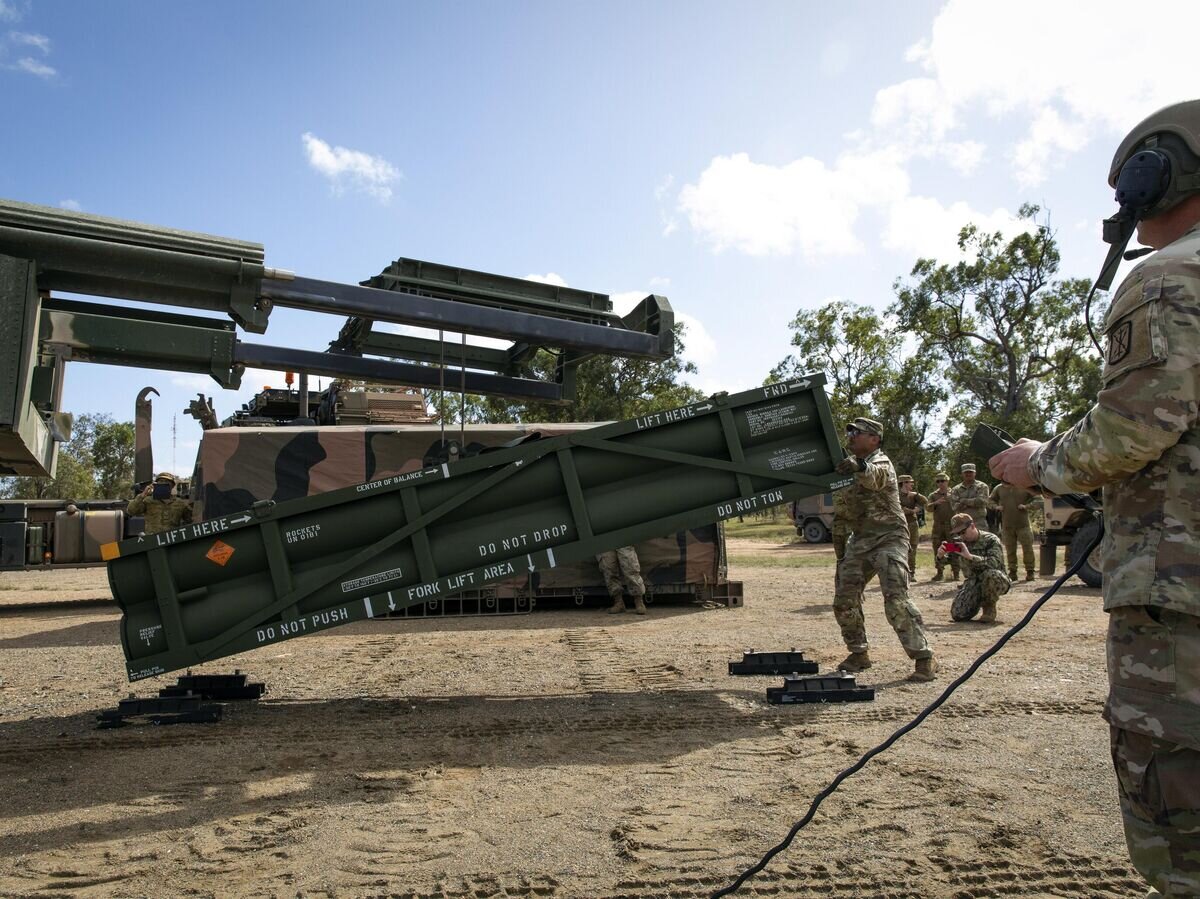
1090	572
816	532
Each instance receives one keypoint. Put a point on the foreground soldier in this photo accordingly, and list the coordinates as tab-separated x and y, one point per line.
909	501
158	505
879	545
971	496
985	582
940	504
623	572
1141	443
1013	504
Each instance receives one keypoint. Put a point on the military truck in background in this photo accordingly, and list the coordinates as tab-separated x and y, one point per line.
45	533
1074	528
813	517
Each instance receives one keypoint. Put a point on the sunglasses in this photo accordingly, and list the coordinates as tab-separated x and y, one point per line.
854	432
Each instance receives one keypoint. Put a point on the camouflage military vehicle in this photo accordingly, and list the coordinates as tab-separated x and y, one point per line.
813	517
240	466
1073	528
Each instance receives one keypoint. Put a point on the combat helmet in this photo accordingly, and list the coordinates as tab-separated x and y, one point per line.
1174	131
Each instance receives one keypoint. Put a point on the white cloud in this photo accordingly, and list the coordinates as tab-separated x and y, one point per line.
9	11
549	278
979	61
922	226
698	345
659	283
33	67
372	175
40	41
805	205
988	57
72	205
670	224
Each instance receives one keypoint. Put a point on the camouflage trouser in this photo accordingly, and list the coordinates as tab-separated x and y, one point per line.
941	533
622	563
890	562
1010	537
1154	713
914	537
839	543
981	589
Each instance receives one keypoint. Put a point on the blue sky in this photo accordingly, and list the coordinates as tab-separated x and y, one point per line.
745	160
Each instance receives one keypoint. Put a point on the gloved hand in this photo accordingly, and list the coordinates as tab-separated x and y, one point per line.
849	465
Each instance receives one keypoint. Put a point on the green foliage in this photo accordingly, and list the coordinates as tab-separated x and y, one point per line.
1009	340
97	463
607	388
869	375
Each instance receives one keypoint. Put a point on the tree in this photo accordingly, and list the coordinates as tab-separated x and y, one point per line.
96	463
112	457
1011	341
607	388
868	375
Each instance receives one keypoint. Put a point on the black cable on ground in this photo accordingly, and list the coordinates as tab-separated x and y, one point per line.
925	713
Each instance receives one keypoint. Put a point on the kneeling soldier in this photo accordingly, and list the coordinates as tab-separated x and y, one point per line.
982	556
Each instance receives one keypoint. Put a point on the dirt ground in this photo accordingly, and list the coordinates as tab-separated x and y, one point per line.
563	754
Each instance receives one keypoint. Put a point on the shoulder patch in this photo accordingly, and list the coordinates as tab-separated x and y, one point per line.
1119	342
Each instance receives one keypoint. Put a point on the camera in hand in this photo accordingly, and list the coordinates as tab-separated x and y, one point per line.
952	546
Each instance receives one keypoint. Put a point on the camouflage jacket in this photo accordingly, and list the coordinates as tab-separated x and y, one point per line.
1006	498
873	504
841	515
988	552
972	500
160	514
1140	442
942	507
910	501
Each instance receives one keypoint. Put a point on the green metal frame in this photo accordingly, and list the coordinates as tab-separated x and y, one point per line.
758	486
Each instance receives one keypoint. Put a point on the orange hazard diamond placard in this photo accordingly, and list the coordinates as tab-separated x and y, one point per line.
220	552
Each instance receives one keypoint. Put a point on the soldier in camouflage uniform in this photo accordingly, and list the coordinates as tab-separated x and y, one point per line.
971	496
910	501
982	555
879	545
159	507
621	565
1013	505
1141	443
940	504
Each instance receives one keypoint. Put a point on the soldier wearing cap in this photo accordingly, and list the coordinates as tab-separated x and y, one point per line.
982	557
879	545
971	496
158	505
1013	505
940	504
910	502
1140	442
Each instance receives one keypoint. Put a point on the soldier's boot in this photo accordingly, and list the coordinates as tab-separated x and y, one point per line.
1012	575
618	605
954	574
1029	575
937	577
912	576
925	670
856	661
638	605
987	612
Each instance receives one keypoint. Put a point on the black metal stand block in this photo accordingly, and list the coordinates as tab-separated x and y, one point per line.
821	688
773	663
159	710
224	687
